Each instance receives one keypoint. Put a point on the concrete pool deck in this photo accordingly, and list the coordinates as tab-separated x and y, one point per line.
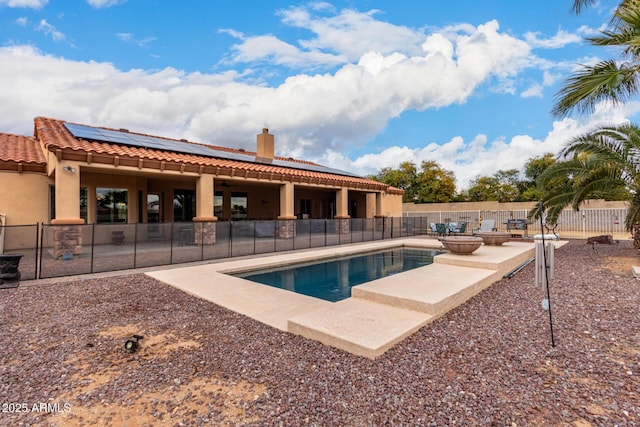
379	314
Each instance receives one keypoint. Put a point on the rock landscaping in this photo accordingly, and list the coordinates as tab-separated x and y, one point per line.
487	362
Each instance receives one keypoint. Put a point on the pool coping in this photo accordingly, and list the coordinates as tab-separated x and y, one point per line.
379	314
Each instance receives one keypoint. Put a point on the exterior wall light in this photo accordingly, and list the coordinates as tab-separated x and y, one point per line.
132	345
69	169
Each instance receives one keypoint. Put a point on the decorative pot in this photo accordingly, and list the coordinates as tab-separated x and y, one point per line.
461	245
494	238
117	237
9	273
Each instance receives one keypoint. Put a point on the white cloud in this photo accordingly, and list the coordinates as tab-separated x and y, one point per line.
125	37
33	4
535	90
338	39
480	156
129	38
352	33
99	4
271	49
50	30
325	110
314	116
560	39
22	21
549	78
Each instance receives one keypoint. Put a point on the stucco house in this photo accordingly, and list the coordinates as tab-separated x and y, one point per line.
70	174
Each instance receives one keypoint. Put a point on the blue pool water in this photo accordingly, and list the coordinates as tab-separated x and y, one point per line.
332	280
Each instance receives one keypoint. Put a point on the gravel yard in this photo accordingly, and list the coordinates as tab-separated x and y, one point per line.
490	361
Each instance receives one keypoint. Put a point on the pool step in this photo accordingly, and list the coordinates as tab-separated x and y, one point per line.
499	258
433	289
359	326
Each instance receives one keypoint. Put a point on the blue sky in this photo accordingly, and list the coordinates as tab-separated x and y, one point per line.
356	85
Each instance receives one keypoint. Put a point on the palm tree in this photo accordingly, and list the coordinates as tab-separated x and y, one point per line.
608	80
604	163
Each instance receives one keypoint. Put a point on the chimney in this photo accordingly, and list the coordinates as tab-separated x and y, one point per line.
265	145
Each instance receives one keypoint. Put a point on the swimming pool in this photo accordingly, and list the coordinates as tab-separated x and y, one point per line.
332	279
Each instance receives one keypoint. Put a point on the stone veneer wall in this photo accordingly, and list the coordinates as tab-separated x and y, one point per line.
67	239
286	228
343	225
205	233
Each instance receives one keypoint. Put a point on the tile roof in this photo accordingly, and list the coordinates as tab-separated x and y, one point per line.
18	152
55	136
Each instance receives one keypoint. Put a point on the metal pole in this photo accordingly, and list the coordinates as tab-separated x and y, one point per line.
202	225
135	244
546	269
35	266
325	232
93	242
230	238
171	245
41	248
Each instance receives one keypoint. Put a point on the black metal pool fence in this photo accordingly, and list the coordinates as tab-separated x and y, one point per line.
48	251
56	250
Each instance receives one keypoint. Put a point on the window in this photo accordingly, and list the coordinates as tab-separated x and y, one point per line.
218	204
84	198
238	206
111	205
184	205
52	202
305	208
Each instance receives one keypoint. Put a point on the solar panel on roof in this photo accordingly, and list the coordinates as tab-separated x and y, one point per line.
163	144
312	168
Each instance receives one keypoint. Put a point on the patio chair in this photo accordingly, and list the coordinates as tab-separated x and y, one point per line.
515	226
441	229
458	228
453	226
434	229
488	225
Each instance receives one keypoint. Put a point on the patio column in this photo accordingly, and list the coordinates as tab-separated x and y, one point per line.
379	217
378	204
205	219
342	209
67	182
286	219
67	236
371	205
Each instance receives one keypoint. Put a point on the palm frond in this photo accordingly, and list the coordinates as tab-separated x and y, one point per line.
619	145
603	181
633	211
605	81
578	5
625	30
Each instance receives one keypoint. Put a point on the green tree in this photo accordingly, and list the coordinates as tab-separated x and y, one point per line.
435	185
530	191
405	178
503	186
430	184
